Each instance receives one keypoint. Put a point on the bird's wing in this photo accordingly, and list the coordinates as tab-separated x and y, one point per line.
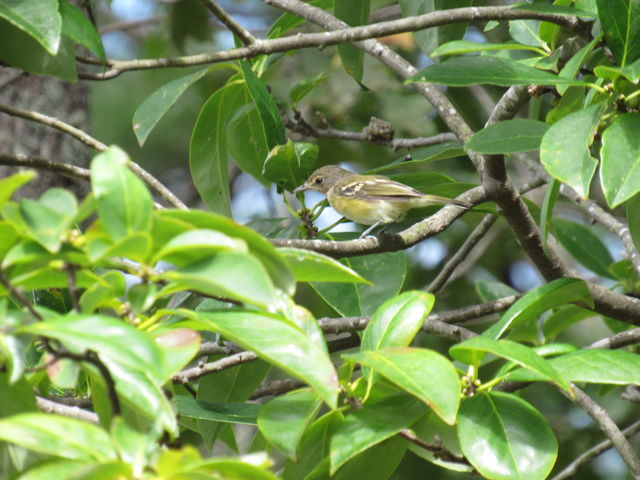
385	189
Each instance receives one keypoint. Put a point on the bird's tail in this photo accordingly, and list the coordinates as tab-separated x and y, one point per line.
429	199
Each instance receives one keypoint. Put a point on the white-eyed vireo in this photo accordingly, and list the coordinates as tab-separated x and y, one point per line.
369	199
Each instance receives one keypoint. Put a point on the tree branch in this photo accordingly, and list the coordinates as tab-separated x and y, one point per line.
570	470
608	427
49	406
226	19
88	140
344	34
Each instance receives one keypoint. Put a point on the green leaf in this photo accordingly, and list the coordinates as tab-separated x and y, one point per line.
353	13
238	276
156	105
370	425
124	203
38	18
288	166
423	373
10	184
440	151
104	335
620	21
546	213
527	32
463	46
179	346
78	28
78	469
194	245
591	365
304	86
396	322
473	70
620	154
284	419
272	124
429	39
564	151
287	21
509	136
308	265
584	245
376	463
505	438
242	413
488	291
48	218
550	295
386	271
233	385
57	436
277	341
259	247
22	51
208	148
572	67
633	218
467	352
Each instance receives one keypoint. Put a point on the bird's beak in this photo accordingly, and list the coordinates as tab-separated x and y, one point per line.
301	188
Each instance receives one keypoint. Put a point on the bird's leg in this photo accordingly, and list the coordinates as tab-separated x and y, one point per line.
368	230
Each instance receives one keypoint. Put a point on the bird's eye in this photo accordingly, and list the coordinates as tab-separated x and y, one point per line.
318	180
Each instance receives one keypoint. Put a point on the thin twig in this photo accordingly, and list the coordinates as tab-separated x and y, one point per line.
48	406
276	387
457	258
229	22
618	340
608	427
88	140
570	470
341	34
73	287
438	450
21	298
126	25
12	79
188	374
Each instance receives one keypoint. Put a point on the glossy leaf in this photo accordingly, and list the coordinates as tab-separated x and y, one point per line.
278	342
59	469
194	245
79	28
242	413
423	373
572	67
57	436
591	365
353	13
305	86
440	151
620	154
123	201
10	184
546	213
509	136
633	218
370	425
463	46
284	419
467	352
49	217
156	105
564	150
396	322
104	335
488	291
550	295
474	70
584	245
376	463
505	438
429	39
208	148
258	246
237	276
38	18
272	124
620	21
385	271
288	166
312	266
179	346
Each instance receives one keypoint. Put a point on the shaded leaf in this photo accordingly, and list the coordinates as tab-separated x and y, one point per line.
620	154
508	136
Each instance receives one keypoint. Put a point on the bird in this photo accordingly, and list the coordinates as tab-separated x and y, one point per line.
369	199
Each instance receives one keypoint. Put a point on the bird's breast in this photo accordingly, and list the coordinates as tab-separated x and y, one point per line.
368	212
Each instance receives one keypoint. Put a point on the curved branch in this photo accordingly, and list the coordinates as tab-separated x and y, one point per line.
342	34
88	140
49	406
228	21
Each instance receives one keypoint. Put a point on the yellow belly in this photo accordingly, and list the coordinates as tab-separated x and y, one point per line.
369	212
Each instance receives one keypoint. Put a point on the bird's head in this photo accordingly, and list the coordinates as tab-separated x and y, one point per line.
323	179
